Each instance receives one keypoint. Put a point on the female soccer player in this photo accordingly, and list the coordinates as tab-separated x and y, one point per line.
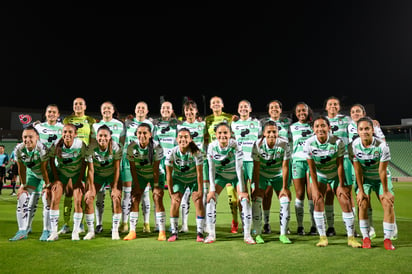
141	111
301	131
271	156
32	158
197	132
117	128
226	167
144	155
69	155
275	109
184	169
325	152
370	157
105	155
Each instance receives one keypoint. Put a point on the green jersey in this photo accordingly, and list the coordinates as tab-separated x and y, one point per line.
71	159
197	131
325	155
370	157
184	165
246	133
49	133
103	161
300	132
283	126
33	159
271	159
165	132
226	162
140	156
116	126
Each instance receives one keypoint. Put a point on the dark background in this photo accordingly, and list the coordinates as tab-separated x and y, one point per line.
359	52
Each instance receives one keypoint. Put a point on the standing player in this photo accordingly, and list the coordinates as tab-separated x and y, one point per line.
84	125
49	131
283	123
117	128
197	132
141	111
145	155
271	156
301	131
226	167
370	157
358	111
67	158
105	155
32	158
339	126
4	160
184	169
325	153
218	116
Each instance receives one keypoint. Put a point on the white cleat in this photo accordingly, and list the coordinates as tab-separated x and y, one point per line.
54	236
75	236
89	236
115	235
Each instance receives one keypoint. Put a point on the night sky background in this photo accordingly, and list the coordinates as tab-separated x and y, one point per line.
294	51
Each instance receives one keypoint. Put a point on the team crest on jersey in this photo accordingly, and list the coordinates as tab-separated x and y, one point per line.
376	154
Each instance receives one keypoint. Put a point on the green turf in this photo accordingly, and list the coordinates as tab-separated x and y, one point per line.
229	254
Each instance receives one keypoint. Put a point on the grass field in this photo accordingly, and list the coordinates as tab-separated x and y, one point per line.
229	254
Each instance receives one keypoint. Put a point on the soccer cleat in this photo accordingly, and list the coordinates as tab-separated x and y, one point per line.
199	237
146	228
249	240
266	229
81	228
259	239
313	231
172	238
54	236
184	229
99	229
162	236
75	236
301	231
331	232
20	235
124	227
372	233
323	241
395	234
234	227
210	239
353	243
13	194
65	229
115	235
388	244
284	239
45	235
366	243
130	236
89	236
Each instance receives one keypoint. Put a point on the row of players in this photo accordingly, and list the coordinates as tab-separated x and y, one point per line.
218	169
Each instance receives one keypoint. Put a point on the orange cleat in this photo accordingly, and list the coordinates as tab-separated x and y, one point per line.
130	236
